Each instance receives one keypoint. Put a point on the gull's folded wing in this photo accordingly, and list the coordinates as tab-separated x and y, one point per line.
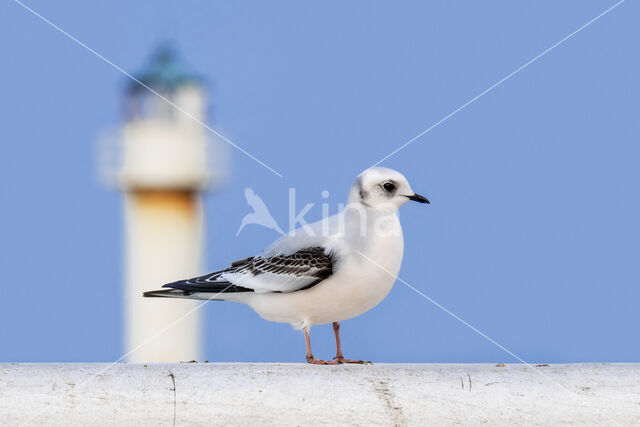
277	273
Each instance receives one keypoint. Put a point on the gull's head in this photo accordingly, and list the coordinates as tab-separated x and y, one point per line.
383	189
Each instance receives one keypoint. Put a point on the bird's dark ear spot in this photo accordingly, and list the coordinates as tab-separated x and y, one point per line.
363	193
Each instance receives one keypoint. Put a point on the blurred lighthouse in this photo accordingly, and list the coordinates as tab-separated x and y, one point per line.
163	161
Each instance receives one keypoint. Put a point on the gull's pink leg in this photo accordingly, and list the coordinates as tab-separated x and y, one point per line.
339	357
310	358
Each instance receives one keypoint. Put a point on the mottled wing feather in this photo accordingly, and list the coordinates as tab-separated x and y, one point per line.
278	273
307	262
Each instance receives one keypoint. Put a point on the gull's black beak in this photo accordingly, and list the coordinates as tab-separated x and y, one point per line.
418	198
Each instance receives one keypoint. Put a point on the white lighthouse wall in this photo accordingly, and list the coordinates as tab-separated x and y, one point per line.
163	244
164	154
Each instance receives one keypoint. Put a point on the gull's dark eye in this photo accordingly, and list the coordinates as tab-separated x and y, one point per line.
389	186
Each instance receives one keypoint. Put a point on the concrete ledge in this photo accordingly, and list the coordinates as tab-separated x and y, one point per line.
298	394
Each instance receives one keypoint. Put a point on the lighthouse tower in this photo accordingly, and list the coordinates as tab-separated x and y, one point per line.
164	163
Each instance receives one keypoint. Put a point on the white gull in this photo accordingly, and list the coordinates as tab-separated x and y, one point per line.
332	270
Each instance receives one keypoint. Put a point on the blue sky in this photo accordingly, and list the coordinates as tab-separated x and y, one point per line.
532	235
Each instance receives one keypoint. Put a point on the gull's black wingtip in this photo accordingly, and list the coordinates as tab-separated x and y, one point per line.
173	284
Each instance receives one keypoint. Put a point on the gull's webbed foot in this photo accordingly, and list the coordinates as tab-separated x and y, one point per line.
359	362
313	361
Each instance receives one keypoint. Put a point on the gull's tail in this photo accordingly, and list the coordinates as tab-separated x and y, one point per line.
179	293
167	293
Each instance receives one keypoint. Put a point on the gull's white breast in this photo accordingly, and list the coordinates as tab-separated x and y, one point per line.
364	274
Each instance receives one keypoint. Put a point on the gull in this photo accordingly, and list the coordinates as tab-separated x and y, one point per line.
320	273
260	214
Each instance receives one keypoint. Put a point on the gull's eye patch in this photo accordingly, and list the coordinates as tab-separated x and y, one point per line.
389	186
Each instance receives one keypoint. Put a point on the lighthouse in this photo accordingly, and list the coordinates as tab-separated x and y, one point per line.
164	160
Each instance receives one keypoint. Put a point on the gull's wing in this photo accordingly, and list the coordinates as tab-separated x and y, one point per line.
278	273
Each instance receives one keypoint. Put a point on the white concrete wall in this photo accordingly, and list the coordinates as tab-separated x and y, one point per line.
298	394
